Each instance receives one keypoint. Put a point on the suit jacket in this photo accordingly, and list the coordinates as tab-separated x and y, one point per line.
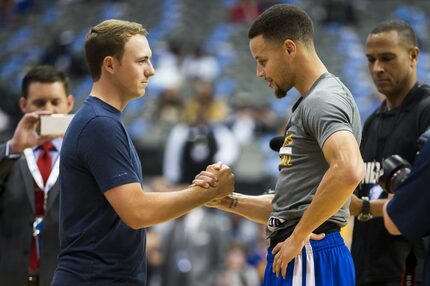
17	211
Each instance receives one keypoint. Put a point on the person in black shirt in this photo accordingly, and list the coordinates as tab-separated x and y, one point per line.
392	53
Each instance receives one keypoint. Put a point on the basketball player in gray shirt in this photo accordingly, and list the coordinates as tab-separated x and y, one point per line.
326	109
320	163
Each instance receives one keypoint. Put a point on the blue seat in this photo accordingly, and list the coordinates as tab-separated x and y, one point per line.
111	10
50	15
225	86
18	39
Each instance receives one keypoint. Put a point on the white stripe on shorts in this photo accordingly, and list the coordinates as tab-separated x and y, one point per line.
297	272
310	268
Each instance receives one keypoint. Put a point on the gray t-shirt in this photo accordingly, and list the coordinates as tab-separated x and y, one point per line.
327	108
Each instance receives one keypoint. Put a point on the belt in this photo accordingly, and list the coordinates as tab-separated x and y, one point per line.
33	280
283	234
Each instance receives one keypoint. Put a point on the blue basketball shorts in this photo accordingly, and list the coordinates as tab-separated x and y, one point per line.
325	262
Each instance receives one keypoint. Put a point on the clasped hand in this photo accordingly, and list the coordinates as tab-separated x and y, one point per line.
218	176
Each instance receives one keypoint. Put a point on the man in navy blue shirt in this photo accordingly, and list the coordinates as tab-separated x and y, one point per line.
104	209
408	212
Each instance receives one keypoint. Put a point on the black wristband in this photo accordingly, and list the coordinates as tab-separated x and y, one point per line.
365	214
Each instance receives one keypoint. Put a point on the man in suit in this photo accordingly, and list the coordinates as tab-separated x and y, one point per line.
29	188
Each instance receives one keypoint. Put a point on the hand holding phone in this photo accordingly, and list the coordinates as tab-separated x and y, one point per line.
27	133
54	124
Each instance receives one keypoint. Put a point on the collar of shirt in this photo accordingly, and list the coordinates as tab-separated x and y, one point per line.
54	153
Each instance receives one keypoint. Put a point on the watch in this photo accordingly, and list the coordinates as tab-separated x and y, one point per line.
365	214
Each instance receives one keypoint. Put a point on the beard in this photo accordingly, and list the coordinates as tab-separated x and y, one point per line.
280	93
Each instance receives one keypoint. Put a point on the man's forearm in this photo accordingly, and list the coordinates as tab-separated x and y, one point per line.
254	208
375	206
334	190
6	165
161	207
346	170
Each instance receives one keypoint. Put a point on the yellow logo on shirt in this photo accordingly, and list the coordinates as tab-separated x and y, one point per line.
285	153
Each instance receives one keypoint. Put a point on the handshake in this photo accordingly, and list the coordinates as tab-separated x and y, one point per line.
218	180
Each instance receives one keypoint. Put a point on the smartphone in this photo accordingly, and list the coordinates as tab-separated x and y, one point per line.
54	124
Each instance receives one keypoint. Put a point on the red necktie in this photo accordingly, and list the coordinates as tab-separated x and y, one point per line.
44	163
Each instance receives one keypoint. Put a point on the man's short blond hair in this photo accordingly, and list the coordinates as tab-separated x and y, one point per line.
108	39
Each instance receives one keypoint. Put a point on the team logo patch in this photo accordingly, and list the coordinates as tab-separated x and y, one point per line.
274	222
286	152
